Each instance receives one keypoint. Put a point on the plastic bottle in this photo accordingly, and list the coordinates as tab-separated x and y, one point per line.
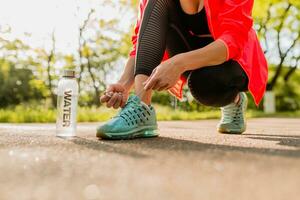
67	95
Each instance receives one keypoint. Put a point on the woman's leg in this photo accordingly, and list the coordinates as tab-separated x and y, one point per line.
218	85
152	41
162	28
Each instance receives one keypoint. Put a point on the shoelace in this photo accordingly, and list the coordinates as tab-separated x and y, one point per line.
232	113
134	113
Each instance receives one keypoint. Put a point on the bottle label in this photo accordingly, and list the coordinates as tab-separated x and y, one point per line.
67	108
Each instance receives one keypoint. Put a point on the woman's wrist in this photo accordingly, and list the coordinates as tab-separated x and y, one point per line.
127	84
179	62
127	77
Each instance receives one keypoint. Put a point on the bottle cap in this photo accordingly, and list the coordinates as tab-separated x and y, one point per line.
69	73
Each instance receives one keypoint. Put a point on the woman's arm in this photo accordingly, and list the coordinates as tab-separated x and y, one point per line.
235	23
116	94
127	77
168	72
213	54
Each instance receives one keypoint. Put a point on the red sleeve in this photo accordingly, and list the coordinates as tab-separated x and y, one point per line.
235	24
134	36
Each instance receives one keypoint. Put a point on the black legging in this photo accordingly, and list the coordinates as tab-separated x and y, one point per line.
163	28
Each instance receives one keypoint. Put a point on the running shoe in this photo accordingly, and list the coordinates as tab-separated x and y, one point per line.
233	116
135	120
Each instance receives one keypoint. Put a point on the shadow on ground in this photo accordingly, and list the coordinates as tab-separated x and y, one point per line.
285	140
133	148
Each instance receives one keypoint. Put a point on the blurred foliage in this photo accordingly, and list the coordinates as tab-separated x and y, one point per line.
18	85
288	93
278	26
30	75
37	112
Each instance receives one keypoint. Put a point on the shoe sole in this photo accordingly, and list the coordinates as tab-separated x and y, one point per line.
146	133
232	131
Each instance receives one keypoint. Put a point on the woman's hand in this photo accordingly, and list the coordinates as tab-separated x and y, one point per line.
115	96
164	76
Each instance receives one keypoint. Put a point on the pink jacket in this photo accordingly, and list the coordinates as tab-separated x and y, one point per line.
229	21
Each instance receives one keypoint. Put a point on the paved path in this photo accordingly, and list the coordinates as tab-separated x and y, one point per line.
188	161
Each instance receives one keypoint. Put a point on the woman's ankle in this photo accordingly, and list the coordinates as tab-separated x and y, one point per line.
144	95
146	98
237	99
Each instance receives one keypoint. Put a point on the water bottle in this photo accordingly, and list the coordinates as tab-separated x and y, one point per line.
67	95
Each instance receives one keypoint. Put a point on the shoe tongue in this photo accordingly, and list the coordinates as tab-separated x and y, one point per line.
134	98
137	100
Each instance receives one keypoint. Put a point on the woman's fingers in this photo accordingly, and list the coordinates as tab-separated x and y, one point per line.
169	87
115	100
124	100
104	98
112	100
110	89
158	85
113	96
151	81
163	87
118	102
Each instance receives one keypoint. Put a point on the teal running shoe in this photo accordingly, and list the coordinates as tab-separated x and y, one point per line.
233	117
135	120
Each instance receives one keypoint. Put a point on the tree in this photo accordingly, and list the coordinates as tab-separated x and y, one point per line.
17	85
99	52
279	30
50	61
81	44
44	66
292	69
17	81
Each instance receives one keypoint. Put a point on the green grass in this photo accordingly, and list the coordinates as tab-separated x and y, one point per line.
31	114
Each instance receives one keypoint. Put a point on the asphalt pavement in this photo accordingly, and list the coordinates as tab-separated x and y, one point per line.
189	160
